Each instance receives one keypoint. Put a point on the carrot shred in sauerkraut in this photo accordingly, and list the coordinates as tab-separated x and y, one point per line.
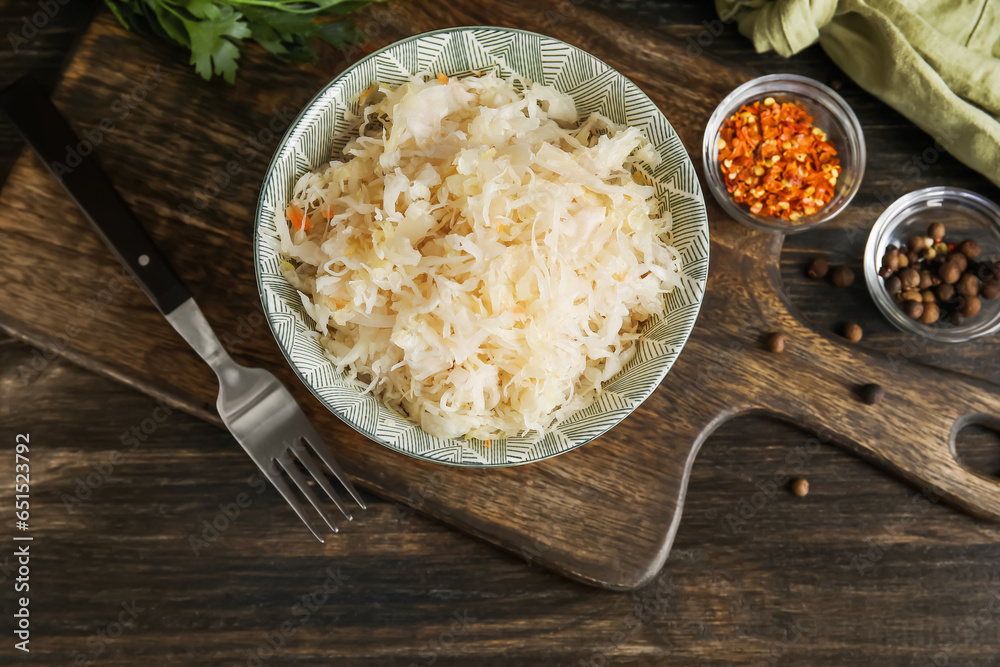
479	259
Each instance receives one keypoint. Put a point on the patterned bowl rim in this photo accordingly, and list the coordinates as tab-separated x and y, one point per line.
258	265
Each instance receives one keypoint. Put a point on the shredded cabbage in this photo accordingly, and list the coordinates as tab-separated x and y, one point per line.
480	260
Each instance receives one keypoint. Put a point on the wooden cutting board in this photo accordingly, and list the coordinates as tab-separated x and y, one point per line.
189	156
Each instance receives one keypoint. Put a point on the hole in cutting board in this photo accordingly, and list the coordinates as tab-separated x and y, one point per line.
978	448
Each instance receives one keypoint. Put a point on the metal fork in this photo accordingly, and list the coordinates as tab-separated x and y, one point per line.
256	408
262	415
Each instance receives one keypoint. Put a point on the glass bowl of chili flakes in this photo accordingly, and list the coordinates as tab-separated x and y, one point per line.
783	153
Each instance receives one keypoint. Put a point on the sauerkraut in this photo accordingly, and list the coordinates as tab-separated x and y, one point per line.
480	259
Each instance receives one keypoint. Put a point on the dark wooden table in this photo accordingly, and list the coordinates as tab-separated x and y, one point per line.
864	570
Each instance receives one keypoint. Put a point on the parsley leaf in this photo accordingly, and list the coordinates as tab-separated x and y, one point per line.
215	30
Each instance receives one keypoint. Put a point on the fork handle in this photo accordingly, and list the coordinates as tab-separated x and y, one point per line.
45	129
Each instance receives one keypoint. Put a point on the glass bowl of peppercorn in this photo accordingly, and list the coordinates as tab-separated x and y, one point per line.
783	153
932	264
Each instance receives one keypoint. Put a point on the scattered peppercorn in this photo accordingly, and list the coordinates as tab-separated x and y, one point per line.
775	161
842	276
936	231
959	260
775	342
872	394
926	279
991	289
853	332
818	268
800	486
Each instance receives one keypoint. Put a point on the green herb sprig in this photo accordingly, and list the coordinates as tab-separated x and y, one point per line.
215	30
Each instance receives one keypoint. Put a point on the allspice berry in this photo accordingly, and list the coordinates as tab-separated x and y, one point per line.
853	332
945	292
910	278
842	276
800	486
936	231
932	313
926	279
872	394
970	306
968	285
990	290
775	342
891	260
893	285
949	272
916	243
969	248
913	309
817	268
927	296
960	260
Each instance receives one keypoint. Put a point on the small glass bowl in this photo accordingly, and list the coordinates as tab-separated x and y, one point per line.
965	215
830	113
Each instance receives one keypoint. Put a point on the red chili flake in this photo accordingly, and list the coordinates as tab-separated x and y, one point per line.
774	160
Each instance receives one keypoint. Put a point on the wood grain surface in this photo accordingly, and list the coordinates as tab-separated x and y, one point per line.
610	509
862	571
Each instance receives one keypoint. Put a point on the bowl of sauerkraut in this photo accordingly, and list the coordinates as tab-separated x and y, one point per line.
481	246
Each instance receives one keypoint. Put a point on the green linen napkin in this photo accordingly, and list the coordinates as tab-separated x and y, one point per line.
937	62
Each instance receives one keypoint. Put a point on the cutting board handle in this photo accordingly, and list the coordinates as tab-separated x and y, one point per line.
913	428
